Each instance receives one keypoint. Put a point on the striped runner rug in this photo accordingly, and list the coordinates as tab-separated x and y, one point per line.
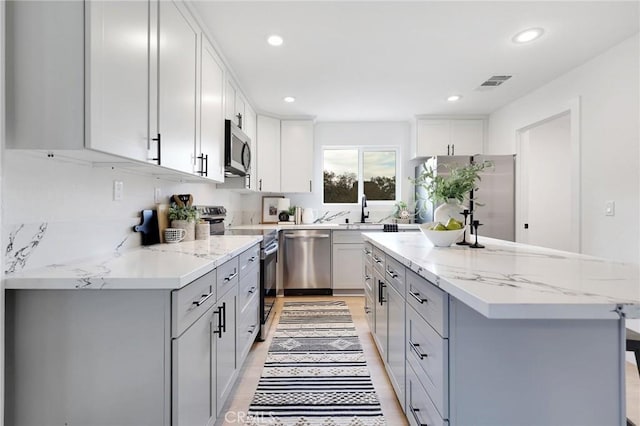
315	372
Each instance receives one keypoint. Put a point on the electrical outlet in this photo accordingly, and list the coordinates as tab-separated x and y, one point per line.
118	190
156	195
610	208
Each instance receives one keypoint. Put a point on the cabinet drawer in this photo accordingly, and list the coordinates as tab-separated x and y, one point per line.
191	301
420	410
429	301
248	259
248	287
428	353
377	257
248	327
347	237
395	274
367	278
227	276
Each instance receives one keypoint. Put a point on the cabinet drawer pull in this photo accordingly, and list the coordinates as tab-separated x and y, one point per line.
159	157
415	347
381	286
391	273
416	296
367	277
367	251
251	329
230	277
375	259
219	327
252	290
224	317
203	299
415	411
252	259
448	150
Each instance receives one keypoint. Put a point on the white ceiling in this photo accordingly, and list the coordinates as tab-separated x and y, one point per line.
391	60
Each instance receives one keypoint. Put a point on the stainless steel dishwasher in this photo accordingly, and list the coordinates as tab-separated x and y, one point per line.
307	262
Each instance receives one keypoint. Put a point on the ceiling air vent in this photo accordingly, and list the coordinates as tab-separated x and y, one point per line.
494	81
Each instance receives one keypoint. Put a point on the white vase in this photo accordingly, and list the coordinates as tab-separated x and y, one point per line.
188	226
450	209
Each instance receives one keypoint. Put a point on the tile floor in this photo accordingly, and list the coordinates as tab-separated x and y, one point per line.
238	403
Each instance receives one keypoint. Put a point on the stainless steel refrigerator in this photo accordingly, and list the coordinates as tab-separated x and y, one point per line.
496	191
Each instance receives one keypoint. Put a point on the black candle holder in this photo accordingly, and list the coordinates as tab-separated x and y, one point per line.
464	241
475	225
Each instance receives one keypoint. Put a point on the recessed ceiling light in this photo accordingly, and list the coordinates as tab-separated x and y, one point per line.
275	40
528	35
454	98
289	99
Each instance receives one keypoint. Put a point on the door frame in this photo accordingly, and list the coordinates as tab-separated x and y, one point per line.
572	107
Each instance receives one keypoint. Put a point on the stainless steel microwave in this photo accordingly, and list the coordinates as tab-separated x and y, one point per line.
237	150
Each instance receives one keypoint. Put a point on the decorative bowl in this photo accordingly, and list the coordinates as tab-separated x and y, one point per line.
441	238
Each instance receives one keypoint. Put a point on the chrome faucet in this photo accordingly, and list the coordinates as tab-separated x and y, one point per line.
364	204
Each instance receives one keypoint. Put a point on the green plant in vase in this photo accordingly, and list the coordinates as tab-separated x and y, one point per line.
452	189
184	217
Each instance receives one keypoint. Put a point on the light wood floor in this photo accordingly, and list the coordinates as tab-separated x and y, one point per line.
238	404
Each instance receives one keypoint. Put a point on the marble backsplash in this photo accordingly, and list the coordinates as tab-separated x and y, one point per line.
32	245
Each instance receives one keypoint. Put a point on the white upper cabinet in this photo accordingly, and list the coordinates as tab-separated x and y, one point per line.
210	155
177	87
448	137
118	72
296	156
235	104
268	144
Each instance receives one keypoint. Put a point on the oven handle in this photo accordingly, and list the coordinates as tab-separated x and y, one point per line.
273	248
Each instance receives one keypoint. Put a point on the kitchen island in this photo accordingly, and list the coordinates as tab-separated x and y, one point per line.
506	335
154	335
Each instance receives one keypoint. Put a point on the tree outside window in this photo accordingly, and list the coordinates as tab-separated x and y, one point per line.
350	172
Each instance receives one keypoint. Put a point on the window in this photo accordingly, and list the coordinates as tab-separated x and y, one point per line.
351	172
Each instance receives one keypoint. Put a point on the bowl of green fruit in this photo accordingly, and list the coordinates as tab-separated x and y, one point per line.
443	235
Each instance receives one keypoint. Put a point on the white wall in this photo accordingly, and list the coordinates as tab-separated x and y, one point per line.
608	89
381	134
74	203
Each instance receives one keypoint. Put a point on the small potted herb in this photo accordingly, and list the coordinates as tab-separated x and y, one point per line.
184	217
401	212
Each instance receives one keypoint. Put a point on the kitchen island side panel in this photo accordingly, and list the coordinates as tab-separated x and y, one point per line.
534	372
87	357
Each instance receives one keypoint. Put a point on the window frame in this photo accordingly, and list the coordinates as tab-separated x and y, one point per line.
361	150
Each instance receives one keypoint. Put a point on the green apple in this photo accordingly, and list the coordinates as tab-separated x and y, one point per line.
439	227
453	224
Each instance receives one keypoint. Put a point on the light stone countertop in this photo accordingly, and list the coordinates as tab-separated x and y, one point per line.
159	266
511	280
331	226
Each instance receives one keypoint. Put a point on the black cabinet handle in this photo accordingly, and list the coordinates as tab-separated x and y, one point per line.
416	296
260	185
416	349
206	164
219	330
415	411
453	149
448	151
159	157
224	317
310	187
381	286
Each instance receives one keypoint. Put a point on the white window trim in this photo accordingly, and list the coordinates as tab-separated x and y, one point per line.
361	149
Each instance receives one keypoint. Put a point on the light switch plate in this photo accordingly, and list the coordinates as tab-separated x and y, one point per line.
118	190
610	208
156	195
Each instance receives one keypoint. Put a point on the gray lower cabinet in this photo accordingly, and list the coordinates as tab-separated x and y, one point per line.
346	255
224	346
462	368
126	357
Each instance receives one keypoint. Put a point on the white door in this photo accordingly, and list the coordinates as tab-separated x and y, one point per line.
212	112
268	155
296	158
546	185
177	87
119	78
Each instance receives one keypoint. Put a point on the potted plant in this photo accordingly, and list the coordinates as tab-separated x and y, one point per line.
401	212
184	217
451	189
